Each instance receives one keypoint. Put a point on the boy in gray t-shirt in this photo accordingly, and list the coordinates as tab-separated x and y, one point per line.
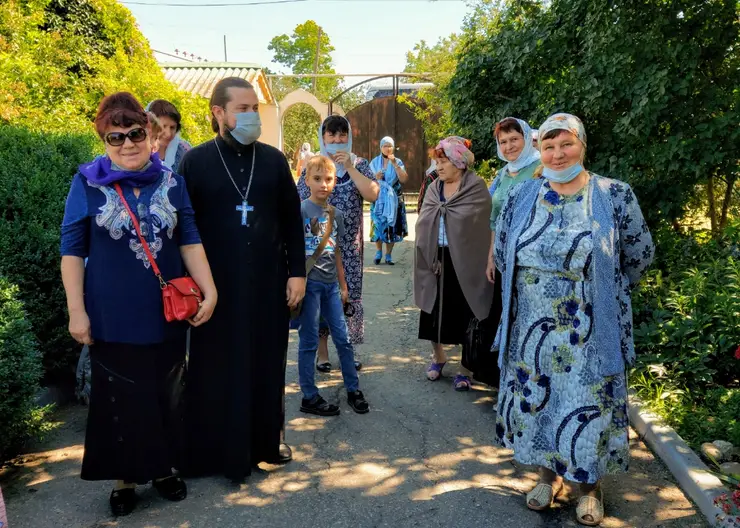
326	293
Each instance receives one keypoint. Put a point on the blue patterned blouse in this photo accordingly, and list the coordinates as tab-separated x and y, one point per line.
122	295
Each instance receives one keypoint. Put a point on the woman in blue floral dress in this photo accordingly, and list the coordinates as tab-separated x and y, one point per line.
355	183
570	247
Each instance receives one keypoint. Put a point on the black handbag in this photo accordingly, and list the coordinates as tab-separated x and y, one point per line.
476	351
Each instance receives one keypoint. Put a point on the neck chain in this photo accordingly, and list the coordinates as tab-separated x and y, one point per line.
251	172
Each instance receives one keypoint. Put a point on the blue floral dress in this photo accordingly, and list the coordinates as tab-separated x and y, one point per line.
555	409
347	199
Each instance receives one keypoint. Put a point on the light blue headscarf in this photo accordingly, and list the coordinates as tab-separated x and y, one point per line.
527	156
376	164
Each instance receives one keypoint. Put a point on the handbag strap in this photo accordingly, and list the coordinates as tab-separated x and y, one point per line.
313	259
144	243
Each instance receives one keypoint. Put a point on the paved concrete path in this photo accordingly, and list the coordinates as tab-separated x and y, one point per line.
422	457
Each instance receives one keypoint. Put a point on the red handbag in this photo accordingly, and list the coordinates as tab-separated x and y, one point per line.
181	297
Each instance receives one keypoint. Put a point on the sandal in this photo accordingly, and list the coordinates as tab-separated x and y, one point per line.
435	367
544	495
461	383
378	256
389	260
590	507
323	367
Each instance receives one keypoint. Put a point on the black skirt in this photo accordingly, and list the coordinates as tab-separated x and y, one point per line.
134	422
456	314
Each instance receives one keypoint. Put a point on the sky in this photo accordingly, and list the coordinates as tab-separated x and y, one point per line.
369	36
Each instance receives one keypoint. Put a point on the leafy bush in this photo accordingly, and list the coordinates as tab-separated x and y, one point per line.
20	370
687	312
487	169
687	328
35	173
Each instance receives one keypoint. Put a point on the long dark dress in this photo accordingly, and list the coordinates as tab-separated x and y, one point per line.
236	373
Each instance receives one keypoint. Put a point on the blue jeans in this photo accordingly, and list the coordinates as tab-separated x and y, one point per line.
325	300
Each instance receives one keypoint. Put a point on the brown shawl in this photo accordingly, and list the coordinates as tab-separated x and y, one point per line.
467	215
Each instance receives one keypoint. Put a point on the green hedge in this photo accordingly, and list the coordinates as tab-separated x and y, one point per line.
687	329
35	173
20	370
687	312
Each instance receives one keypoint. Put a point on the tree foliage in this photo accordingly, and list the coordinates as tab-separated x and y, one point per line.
58	58
298	52
655	82
301	126
431	105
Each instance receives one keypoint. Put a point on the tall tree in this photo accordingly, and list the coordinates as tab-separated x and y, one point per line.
655	83
298	52
431	105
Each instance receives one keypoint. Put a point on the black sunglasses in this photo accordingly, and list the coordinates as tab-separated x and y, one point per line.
116	139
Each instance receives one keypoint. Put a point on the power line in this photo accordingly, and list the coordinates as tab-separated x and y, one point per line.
263	2
225	4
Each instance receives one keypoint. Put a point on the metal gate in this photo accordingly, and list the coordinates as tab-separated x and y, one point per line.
386	116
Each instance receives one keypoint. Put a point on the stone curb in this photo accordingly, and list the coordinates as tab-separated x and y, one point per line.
691	473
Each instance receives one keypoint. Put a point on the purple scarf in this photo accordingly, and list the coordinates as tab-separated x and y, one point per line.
101	172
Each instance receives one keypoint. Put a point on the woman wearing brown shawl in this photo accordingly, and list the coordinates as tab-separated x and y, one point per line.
452	242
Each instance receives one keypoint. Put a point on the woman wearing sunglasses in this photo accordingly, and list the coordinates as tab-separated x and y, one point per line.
115	303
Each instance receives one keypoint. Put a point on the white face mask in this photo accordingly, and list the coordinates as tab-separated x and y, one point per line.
248	127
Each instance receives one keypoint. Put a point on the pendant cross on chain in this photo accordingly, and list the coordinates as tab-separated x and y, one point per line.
245	209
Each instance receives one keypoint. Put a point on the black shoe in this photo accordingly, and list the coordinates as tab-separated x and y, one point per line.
123	501
172	488
323	367
319	406
358	365
358	402
285	455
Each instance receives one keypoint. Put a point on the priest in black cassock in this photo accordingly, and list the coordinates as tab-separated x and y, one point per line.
248	213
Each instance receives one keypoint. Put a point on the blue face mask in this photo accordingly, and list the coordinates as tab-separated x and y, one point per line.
248	128
333	148
563	176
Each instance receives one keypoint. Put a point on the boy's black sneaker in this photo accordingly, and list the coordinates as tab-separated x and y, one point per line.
319	406
358	402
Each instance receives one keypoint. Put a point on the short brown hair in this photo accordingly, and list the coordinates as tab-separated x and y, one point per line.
220	96
507	125
155	125
163	108
120	109
320	164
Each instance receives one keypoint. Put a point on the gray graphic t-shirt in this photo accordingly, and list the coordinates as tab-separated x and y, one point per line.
315	220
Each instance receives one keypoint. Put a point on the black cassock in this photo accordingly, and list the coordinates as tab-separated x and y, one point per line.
234	396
